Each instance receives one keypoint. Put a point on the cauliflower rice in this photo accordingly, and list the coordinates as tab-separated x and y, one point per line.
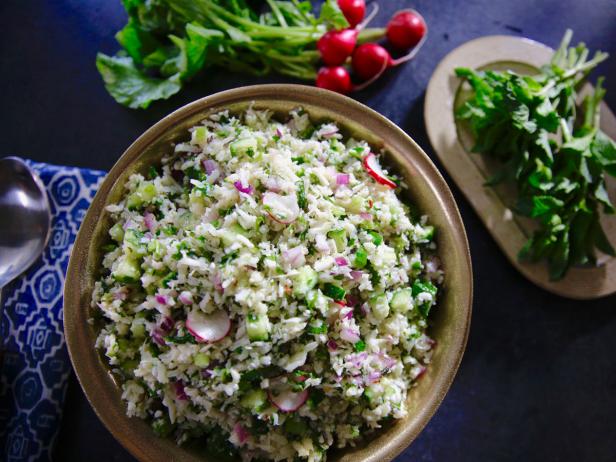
263	293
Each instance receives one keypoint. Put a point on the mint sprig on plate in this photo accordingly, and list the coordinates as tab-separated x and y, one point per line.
552	149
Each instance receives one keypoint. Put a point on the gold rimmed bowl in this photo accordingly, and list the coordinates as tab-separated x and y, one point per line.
427	190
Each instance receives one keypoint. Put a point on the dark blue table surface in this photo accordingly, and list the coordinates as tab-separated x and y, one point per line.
538	380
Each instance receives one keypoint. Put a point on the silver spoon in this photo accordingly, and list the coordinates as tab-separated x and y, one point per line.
25	219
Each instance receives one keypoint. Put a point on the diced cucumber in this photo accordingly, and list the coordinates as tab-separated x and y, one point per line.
229	235
361	258
339	238
258	327
201	360
117	232
199	136
137	328
380	306
132	241
256	400
156	248
128	270
356	205
245	146
402	301
145	192
305	280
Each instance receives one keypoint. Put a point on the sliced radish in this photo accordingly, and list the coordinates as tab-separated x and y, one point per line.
371	164
289	401
283	209
208	328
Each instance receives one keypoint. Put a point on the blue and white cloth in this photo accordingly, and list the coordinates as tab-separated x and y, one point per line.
36	366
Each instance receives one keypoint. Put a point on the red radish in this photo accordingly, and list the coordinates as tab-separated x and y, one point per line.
283	209
335	46
335	78
208	328
371	164
353	10
406	29
288	400
370	60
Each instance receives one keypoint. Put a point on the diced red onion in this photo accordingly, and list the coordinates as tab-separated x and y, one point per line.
374	377
294	257
342	179
218	283
365	308
241	433
185	297
352	300
332	345
243	189
349	335
422	371
341	261
388	361
432	265
348	314
278	132
179	391
167	324
367	216
356	275
157	336
149	221
129	224
161	299
120	294
338	378
209	165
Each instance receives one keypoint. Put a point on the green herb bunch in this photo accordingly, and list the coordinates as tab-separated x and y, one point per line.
168	42
552	149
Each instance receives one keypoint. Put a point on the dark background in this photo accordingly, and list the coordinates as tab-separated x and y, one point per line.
538	380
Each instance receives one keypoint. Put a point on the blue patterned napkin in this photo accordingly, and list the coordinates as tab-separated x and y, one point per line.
36	366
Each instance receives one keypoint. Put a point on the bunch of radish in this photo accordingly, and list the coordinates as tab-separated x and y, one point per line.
406	31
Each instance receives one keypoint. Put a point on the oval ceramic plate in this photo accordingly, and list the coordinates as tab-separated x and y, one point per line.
470	171
427	189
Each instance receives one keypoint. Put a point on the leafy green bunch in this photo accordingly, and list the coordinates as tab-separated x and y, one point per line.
168	42
552	149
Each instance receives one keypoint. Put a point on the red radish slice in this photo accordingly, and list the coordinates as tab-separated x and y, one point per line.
208	328
371	164
283	209
289	401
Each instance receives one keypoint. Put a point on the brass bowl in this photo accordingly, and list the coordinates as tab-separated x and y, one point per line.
427	190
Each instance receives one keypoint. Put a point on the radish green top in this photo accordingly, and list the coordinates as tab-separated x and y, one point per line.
265	289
